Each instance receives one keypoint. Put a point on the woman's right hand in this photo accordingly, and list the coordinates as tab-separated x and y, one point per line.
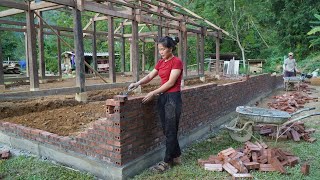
133	86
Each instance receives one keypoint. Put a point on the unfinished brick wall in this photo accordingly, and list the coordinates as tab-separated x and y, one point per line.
131	129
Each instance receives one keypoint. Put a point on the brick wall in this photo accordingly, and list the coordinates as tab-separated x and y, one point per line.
131	129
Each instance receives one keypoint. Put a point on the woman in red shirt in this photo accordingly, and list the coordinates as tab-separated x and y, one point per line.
169	68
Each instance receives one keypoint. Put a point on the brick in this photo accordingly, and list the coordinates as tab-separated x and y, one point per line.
227	152
241	176
295	135
5	154
254	157
305	169
229	168
202	162
262	159
311	140
310	130
213	167
277	165
293	160
121	98
266	167
251	165
239	165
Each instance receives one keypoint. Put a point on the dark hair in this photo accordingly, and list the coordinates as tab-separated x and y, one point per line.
169	42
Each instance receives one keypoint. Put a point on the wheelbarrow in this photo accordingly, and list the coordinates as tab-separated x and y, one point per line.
241	128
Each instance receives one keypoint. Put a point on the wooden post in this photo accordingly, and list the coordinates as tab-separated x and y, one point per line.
201	68
218	53
112	66
198	53
59	54
123	51
180	45
135	50
1	70
143	55
26	53
42	65
184	52
79	53
156	51
32	53
94	45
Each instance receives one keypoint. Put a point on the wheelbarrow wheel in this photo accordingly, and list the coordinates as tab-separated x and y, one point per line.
243	135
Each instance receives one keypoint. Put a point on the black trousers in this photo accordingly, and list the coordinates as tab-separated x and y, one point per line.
169	106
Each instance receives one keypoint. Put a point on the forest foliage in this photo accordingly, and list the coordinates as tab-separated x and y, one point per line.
267	29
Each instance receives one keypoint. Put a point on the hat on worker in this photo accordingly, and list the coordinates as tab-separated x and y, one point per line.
290	54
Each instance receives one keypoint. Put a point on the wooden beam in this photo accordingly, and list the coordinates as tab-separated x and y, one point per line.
104	9
112	66
143	56
33	69
198	42
70	3
10	12
42	66
40	5
12	4
135	51
79	52
12	29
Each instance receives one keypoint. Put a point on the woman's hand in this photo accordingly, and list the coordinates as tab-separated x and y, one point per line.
133	86
148	97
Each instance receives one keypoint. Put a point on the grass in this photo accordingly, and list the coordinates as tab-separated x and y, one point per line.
307	152
22	167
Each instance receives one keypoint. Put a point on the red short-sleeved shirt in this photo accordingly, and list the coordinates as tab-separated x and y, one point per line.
164	70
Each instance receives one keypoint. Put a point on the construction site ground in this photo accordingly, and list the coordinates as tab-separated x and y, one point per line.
61	114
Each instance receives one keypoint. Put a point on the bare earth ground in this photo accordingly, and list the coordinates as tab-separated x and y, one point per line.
62	114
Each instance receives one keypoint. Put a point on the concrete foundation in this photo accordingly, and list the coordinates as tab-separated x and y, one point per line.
82	97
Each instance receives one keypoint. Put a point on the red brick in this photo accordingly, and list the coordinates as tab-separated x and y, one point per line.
305	169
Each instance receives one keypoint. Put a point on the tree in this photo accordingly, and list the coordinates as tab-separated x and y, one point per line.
315	29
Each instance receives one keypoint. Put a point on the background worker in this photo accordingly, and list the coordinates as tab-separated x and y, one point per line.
169	68
290	66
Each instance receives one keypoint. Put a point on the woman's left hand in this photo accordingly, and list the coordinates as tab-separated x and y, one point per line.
148	97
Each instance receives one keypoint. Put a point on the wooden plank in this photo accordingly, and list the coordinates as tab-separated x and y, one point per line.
11	4
143	56
135	51
26	53
79	52
42	66
94	45
32	55
112	66
59	54
198	52
41	5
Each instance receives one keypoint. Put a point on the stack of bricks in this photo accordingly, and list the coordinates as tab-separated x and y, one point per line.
295	131
254	156
5	154
290	102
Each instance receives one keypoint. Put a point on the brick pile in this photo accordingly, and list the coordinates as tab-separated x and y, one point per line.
295	131
290	102
5	154
253	156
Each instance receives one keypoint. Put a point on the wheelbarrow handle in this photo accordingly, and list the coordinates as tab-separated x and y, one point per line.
300	118
301	110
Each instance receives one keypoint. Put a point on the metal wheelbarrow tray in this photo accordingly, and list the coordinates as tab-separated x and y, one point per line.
240	128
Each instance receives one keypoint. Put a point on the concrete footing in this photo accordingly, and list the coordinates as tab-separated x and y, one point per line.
203	78
81	97
34	89
2	88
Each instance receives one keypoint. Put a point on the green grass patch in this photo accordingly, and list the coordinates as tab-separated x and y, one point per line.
307	152
22	167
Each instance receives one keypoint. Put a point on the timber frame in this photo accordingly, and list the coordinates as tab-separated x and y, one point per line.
166	16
